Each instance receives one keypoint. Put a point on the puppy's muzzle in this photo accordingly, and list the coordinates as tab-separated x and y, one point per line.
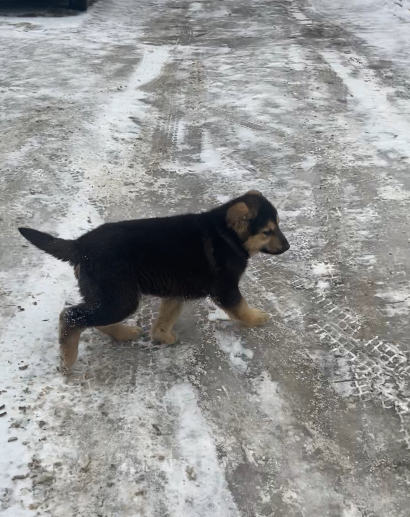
281	245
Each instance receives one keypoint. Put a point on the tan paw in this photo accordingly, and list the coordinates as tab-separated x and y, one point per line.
164	337
129	333
68	356
255	318
121	332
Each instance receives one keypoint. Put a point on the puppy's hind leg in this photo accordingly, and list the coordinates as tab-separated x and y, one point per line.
69	339
169	311
74	320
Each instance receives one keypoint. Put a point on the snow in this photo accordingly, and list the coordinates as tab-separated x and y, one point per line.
393	193
397	301
352	511
381	23
237	353
323	269
49	285
196	6
25	341
401	8
126	104
269	397
218	315
385	125
196	484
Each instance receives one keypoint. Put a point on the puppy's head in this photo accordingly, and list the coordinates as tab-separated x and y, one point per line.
256	222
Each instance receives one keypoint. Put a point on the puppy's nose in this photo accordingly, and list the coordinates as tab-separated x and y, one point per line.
285	245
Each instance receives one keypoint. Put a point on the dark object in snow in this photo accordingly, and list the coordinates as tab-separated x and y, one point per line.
24	367
191	473
19	476
12	439
176	258
78	5
157	429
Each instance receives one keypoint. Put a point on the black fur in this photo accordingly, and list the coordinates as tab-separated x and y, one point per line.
61	249
184	256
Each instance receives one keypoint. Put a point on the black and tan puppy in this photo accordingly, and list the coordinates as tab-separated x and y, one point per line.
176	258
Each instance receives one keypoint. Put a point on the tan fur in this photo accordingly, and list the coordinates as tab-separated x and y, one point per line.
255	192
69	338
238	217
121	332
169	311
255	243
77	272
236	213
247	316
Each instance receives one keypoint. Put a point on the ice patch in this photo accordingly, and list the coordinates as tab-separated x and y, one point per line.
272	297
352	511
401	8
16	158
196	484
238	354
308	163
300	17
323	269
296	58
215	161
269	399
337	369
196	6
397	301
218	314
386	127
393	193
367	261
322	285
381	23
222	198
126	104
48	285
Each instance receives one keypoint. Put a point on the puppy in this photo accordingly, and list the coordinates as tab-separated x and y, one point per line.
176	258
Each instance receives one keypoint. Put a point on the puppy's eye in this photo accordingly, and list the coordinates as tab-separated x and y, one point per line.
268	232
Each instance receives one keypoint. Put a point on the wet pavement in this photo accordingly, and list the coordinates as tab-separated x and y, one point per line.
145	108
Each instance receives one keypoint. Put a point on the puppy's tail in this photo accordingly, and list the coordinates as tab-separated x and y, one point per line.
61	249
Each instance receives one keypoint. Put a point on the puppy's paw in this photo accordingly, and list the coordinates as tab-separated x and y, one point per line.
65	362
128	333
135	333
163	336
62	368
121	332
256	318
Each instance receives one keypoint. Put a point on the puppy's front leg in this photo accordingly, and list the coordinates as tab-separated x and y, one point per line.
169	311
237	308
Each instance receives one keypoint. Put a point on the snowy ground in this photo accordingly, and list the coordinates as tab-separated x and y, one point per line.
148	107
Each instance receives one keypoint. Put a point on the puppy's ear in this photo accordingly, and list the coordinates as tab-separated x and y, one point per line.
255	192
238	217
